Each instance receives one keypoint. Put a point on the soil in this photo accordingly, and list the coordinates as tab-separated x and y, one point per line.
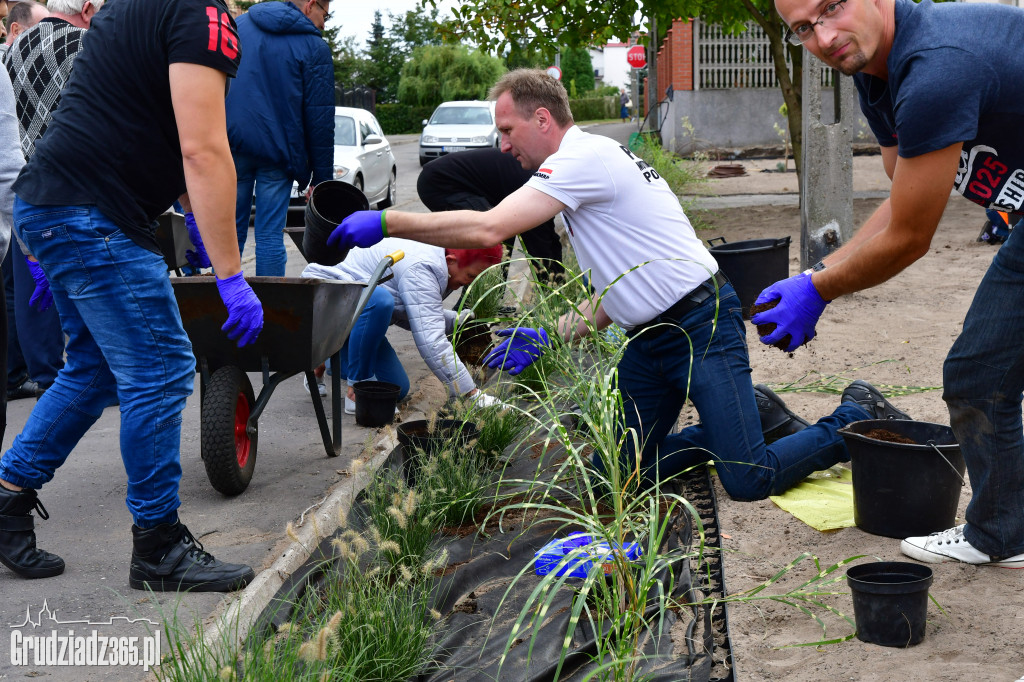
766	329
889	437
892	334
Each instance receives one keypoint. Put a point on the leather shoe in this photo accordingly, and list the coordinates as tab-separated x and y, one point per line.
26	389
168	558
18	550
777	421
872	400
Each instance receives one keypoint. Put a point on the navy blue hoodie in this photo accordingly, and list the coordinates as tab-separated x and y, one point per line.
280	107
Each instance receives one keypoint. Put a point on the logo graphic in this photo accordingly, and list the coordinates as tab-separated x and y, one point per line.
62	646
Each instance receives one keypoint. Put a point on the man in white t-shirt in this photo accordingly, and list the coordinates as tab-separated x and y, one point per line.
655	278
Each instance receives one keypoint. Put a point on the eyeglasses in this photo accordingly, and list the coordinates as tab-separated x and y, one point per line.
802	33
327	13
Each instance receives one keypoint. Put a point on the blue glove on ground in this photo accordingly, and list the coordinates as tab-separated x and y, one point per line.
362	229
42	297
245	312
800	305
198	258
520	350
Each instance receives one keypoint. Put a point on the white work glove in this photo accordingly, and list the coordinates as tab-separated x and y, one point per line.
464	316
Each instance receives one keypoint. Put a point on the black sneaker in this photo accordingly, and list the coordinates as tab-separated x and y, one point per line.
872	400
18	550
26	389
777	421
169	559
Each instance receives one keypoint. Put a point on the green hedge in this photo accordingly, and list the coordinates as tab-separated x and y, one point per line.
398	119
594	108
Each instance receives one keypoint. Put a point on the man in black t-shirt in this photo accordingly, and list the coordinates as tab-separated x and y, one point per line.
140	122
479	180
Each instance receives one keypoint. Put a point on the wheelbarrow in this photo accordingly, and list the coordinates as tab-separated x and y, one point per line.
305	322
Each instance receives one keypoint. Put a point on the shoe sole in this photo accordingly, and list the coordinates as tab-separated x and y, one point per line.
929	557
231	585
31	573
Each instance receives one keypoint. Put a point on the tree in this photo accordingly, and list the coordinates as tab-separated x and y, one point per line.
415	29
384	59
550	23
441	73
577	69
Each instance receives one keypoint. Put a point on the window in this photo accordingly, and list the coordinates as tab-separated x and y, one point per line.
344	131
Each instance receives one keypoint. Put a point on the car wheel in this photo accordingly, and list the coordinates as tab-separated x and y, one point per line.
392	195
358	183
424	160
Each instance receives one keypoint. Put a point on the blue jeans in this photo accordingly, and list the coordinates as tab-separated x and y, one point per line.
656	376
273	188
983	382
42	356
367	355
124	338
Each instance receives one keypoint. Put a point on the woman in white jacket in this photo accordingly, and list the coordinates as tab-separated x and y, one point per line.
411	299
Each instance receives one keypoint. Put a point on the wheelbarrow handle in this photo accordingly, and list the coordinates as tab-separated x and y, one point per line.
396	256
375	279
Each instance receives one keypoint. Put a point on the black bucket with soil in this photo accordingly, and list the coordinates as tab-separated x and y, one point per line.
375	402
331	202
751	265
473	342
430	438
907	476
890	602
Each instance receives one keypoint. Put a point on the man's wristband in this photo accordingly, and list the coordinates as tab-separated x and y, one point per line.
817	267
383	224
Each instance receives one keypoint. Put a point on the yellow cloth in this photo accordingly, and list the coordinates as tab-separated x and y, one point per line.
823	500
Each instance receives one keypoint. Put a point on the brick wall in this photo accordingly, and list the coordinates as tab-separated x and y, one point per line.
675	58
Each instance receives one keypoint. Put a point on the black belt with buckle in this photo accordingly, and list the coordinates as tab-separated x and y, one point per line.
680	308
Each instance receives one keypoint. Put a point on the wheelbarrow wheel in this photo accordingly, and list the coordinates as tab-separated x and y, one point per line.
228	447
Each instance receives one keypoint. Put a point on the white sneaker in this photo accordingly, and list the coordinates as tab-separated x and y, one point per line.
484	400
951	545
350	405
321	384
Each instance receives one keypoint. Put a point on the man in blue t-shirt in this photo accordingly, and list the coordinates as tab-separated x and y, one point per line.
141	123
940	87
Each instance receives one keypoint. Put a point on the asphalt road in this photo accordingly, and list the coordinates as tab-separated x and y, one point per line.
90	527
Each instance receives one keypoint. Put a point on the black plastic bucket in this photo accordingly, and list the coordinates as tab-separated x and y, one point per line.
375	402
420	436
890	601
751	265
331	202
902	490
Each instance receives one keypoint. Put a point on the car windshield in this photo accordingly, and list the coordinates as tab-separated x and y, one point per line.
344	131
461	116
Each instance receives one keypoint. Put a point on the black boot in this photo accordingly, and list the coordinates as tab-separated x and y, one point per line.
777	421
168	559
18	537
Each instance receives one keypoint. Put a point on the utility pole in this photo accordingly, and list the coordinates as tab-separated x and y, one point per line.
652	74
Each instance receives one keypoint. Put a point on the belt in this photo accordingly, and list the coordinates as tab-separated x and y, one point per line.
680	308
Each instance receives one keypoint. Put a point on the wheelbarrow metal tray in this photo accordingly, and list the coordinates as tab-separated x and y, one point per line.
305	321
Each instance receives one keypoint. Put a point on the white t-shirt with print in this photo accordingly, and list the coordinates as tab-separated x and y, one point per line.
620	214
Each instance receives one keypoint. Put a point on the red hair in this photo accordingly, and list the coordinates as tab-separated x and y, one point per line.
492	255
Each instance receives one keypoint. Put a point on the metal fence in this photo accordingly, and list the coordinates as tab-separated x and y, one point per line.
743	60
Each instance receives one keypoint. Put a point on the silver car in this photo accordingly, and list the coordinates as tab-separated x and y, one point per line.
363	157
456	127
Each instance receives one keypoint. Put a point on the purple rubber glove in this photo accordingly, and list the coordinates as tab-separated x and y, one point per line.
362	229
42	297
245	312
522	347
198	258
796	314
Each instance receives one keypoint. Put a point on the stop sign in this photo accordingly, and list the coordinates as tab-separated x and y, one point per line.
637	56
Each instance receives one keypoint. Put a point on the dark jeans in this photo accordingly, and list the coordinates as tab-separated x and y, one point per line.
42	355
983	382
709	365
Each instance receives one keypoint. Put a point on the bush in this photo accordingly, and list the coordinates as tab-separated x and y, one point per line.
398	119
594	108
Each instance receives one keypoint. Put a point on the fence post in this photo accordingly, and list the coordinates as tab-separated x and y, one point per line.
826	176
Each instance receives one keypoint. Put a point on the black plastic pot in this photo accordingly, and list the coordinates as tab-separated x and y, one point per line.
375	402
890	602
902	490
331	202
751	265
416	437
